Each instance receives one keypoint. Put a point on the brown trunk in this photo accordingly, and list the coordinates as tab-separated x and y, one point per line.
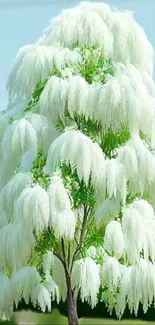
71	304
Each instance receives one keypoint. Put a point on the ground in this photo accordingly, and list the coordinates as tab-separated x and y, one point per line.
29	318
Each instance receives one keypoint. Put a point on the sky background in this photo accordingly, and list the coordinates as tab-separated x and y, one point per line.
22	21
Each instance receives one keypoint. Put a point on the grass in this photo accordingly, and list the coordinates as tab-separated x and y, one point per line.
28	317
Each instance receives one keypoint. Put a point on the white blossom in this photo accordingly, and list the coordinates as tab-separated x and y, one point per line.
137	286
130	41
76	149
78	26
110	272
32	208
123	99
114	239
12	190
62	218
41	296
149	83
92	24
107	211
23	282
85	276
138	229
77	94
45	130
4	122
33	64
15	245
139	163
21	142
52	287
60	93
53	98
6	298
145	209
39	124
116	180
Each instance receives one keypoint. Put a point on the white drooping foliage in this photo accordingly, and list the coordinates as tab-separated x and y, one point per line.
137	286
114	239
45	130
15	246
6	298
77	162
126	34
49	265
116	181
123	99
4	122
69	92
62	218
74	148
85	277
134	232
26	284
107	211
52	287
57	283
110	272
12	191
139	163
53	98
33	64
149	83
78	26
21	142
39	124
32	209
138	225
145	209
41	296
97	24
23	282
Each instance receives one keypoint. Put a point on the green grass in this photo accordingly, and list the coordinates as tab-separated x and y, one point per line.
28	317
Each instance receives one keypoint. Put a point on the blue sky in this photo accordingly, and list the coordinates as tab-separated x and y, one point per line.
22	21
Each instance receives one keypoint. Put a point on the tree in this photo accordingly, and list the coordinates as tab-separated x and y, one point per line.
77	174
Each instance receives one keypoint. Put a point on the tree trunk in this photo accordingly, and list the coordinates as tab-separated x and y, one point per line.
71	303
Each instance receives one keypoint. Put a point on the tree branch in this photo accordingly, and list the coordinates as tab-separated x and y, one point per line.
83	229
63	249
69	254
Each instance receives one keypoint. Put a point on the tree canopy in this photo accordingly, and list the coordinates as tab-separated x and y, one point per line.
77	166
